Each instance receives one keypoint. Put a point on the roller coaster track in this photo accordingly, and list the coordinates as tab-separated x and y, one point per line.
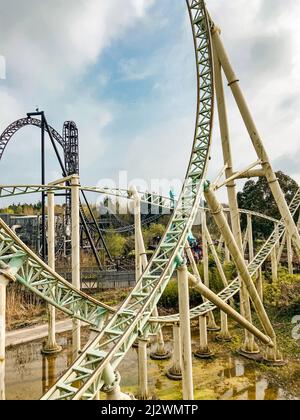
234	287
11	130
70	167
36	276
84	379
41	280
7	191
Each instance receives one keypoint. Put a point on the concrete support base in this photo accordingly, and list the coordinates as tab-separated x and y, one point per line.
204	354
166	355
161	353
211	324
256	357
48	351
250	347
174	375
273	357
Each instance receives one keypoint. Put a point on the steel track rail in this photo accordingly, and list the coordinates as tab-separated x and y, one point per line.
7	191
62	288
36	276
13	128
84	379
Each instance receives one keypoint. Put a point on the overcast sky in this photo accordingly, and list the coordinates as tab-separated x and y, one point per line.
124	71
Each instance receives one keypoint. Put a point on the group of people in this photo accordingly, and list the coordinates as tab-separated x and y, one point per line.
196	247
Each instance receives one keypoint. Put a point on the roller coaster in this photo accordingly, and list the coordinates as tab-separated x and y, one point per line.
115	331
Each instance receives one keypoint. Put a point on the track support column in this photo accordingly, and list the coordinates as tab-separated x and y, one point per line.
76	332
274	266
224	335
137	233
212	326
143	369
231	187
185	332
51	346
255	137
3	286
260	284
141	264
175	371
217	211
204	351
290	254
250	237
112	387
5	279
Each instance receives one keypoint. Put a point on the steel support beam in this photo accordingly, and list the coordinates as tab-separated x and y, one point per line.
233	83
217	211
51	345
185	332
75	241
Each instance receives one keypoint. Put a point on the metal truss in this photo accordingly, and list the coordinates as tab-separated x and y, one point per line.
12	247
7	191
36	276
71	149
84	379
11	130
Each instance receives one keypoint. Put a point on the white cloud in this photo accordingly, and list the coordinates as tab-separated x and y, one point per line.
50	45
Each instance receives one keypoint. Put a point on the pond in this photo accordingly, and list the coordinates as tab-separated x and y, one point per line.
226	377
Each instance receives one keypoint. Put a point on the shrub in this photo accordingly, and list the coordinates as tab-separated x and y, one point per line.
169	299
285	294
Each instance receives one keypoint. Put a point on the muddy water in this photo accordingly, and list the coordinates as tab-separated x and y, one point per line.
226	377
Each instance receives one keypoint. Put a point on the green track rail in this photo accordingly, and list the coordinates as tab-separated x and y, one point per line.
84	379
38	277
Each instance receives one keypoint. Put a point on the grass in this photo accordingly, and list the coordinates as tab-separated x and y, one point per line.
23	308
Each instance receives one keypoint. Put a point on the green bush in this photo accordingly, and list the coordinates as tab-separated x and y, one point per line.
169	299
215	280
285	294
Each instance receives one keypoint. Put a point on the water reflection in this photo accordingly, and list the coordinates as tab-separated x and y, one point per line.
253	388
29	375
